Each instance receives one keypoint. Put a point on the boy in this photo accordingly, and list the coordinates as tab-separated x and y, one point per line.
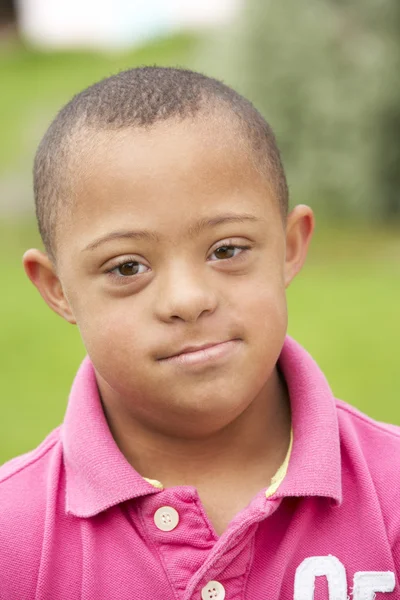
202	454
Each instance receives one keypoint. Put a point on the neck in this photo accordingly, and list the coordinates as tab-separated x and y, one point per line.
255	441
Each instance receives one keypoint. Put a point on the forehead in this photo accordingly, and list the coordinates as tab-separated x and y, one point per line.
170	171
172	149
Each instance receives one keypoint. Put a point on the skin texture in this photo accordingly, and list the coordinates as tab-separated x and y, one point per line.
216	424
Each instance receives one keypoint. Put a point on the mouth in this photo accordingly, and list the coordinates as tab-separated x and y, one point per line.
194	348
204	353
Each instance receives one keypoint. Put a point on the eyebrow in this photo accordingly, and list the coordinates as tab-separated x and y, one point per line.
194	230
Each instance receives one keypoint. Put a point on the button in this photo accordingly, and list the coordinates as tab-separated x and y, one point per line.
213	589
166	518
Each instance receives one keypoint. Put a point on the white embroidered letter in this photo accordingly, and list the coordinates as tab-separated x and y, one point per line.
315	566
367	583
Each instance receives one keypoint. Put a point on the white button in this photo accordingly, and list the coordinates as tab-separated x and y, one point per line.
166	518
213	589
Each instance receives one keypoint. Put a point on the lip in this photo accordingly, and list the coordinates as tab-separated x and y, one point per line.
194	348
206	353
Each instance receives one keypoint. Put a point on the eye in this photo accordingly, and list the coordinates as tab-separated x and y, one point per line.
128	269
228	251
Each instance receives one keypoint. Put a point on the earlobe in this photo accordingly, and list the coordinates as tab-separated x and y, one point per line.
299	230
41	271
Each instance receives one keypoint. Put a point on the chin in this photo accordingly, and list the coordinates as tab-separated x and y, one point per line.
202	417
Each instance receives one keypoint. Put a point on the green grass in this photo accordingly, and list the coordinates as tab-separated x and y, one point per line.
343	308
346	312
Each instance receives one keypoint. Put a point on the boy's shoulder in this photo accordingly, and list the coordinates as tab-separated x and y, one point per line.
24	484
21	467
366	430
375	446
23	479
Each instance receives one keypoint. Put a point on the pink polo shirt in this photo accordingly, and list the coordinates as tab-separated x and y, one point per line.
77	521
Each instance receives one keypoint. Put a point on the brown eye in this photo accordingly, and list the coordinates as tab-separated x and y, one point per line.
228	251
225	252
128	269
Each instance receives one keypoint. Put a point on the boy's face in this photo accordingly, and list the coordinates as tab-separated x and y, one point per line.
175	240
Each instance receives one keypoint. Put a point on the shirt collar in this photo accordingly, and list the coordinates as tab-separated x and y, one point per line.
314	468
98	475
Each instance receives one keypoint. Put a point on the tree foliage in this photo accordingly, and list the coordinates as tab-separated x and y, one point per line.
325	74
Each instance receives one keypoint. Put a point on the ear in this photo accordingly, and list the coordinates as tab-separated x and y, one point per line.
299	230
41	271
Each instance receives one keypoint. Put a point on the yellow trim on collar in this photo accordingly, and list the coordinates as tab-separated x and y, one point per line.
154	483
281	472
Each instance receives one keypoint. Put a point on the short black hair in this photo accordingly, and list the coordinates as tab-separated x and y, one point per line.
140	98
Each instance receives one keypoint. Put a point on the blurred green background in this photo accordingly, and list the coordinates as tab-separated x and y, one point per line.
326	76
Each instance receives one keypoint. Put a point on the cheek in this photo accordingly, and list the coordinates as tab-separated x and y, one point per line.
266	328
111	330
116	345
263	304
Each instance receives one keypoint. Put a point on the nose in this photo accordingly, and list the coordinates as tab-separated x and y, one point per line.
185	294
